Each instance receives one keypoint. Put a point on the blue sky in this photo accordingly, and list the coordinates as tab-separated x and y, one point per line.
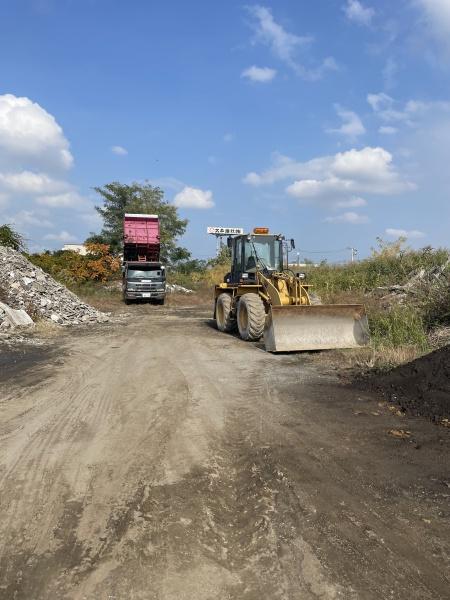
328	121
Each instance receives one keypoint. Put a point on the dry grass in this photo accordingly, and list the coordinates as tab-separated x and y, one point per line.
368	359
202	296
45	328
109	299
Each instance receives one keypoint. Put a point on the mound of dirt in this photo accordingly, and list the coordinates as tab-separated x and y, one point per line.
25	286
421	387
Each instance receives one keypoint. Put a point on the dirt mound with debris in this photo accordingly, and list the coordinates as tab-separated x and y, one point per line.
25	286
419	283
421	387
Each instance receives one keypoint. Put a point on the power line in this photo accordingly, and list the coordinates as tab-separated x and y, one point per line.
322	251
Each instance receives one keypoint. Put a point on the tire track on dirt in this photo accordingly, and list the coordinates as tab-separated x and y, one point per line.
185	464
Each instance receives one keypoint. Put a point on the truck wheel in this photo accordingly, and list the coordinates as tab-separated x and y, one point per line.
159	301
251	316
224	319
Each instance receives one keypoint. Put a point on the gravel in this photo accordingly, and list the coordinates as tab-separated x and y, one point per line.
25	286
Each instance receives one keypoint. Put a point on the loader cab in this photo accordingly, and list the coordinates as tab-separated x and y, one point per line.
254	252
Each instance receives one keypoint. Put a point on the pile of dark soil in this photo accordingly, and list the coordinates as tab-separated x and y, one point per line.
421	387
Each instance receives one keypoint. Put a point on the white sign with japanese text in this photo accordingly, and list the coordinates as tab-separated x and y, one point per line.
225	230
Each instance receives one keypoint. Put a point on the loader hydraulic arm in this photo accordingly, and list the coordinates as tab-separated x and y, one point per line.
284	289
271	291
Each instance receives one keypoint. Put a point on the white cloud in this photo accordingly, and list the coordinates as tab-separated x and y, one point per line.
167	183
30	136
371	164
4	199
387	130
70	199
349	217
30	183
411	234
329	179
282	43
380	101
259	74
34	158
358	13
228	137
119	150
353	202
386	108
191	197
285	167
437	16
64	237
285	45
390	111
352	126
26	218
92	219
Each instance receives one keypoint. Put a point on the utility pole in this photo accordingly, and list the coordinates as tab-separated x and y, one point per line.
354	252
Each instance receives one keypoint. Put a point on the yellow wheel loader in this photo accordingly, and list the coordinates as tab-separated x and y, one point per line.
262	297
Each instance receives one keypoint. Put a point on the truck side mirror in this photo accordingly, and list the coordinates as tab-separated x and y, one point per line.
229	241
292	244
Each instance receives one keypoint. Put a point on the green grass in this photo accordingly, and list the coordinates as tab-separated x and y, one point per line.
399	326
378	271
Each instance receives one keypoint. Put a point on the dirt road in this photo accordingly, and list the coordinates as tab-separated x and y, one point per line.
164	460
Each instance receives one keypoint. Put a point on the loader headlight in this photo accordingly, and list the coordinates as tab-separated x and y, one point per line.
301	275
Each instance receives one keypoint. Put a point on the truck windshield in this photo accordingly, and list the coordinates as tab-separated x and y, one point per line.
267	250
143	274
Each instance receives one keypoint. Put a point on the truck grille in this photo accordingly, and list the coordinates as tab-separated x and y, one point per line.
147	287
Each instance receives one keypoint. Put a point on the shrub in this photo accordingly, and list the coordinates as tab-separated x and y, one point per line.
399	326
386	267
10	238
72	268
436	308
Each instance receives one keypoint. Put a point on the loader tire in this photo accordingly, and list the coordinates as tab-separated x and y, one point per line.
225	321
251	316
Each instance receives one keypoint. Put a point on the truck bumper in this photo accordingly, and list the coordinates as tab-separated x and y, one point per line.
144	295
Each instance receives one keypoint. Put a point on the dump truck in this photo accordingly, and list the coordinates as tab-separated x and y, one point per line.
144	281
144	276
263	298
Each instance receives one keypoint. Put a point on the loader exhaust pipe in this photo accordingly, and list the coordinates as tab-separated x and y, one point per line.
321	327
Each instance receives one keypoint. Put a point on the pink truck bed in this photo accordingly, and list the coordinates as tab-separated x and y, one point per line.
140	229
141	238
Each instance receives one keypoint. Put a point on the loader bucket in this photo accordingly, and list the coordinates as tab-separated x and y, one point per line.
320	327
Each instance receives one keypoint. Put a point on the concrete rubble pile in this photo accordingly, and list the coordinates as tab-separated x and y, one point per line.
11	318
25	287
173	288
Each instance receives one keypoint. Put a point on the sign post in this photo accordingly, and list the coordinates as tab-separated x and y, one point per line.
221	232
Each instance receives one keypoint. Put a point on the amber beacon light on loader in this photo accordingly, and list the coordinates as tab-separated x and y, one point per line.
263	297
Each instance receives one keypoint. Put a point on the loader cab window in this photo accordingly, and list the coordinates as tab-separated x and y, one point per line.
237	254
263	249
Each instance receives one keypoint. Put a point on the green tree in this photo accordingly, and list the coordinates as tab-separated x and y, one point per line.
223	258
119	198
11	238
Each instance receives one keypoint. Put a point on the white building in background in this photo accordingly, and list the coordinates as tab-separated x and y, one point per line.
79	248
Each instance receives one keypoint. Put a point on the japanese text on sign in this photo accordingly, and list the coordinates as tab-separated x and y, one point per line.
225	230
